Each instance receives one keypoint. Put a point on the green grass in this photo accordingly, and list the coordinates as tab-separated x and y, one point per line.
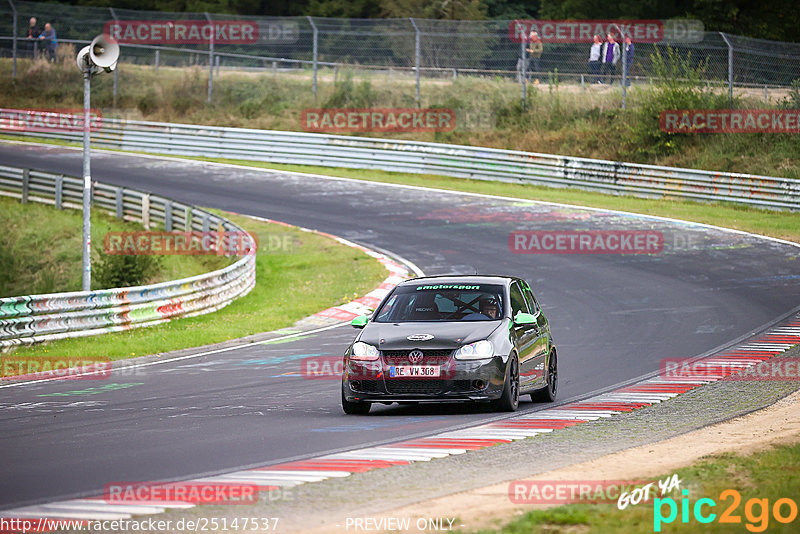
40	249
772	475
307	275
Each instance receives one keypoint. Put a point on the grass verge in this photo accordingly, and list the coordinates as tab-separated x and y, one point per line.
299	274
40	250
765	477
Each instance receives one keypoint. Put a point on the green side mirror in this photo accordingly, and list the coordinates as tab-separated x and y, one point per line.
524	318
359	322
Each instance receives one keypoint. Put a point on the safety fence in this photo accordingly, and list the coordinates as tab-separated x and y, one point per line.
612	177
411	46
35	318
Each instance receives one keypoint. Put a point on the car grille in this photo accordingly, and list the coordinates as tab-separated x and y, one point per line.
405	386
367	386
429	357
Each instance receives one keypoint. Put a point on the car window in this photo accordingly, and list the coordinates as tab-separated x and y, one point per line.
529	298
518	303
443	302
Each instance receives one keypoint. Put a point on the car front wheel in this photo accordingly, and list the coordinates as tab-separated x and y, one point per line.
509	401
355	408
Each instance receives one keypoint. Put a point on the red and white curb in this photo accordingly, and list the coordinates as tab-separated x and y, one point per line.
362	305
286	475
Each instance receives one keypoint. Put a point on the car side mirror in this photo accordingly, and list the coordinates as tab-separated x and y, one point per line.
359	322
524	318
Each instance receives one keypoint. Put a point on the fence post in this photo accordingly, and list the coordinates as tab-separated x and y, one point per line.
26	176
146	211
417	57
168	216
157	58
14	41
583	86
116	70
316	58
119	204
524	66
59	191
210	59
216	60
730	69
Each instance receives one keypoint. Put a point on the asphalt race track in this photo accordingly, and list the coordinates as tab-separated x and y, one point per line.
614	317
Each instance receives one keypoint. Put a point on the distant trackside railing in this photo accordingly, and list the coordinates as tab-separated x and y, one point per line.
433	158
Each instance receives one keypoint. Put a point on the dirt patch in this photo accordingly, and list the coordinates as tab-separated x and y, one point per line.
490	506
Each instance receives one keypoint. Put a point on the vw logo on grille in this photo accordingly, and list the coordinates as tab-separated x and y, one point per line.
415	356
420	337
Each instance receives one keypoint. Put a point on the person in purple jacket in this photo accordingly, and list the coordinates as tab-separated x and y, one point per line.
609	56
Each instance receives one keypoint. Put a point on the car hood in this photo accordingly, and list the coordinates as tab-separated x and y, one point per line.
446	335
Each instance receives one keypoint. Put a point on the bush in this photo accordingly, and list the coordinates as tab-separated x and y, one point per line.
117	270
346	94
678	84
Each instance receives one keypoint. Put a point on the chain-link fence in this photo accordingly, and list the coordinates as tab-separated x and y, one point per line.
412	48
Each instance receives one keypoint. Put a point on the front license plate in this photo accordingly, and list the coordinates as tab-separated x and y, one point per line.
426	371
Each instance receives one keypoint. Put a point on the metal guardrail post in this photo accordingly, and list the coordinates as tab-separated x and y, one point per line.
315	52
187	219
216	62
59	196
730	69
206	224
119	206
146	211
210	59
14	41
417	56
168	216
26	177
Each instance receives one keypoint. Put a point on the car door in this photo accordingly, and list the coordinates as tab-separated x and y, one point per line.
524	335
540	341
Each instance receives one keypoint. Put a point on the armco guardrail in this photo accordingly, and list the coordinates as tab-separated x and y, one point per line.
434	158
35	318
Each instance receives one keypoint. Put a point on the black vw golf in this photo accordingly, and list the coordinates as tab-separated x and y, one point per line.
452	339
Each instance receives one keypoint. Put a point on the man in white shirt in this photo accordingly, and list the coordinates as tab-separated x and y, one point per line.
594	59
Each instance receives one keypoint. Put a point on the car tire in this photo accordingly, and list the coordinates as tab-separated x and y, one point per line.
549	392
509	400
355	408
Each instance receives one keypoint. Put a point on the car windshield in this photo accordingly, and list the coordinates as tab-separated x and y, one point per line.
443	302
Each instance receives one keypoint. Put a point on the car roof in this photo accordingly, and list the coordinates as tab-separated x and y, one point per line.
462	279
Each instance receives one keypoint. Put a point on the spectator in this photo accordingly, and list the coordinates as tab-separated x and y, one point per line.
628	59
594	59
610	57
33	34
48	37
535	49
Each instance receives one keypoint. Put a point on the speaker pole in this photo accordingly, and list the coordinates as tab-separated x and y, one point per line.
87	184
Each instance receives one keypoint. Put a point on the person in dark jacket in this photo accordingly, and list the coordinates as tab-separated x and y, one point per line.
628	51
33	33
48	38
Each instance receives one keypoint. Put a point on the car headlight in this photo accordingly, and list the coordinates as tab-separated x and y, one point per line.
363	351
475	351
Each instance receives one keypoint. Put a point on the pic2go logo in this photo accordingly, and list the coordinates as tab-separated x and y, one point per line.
756	511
